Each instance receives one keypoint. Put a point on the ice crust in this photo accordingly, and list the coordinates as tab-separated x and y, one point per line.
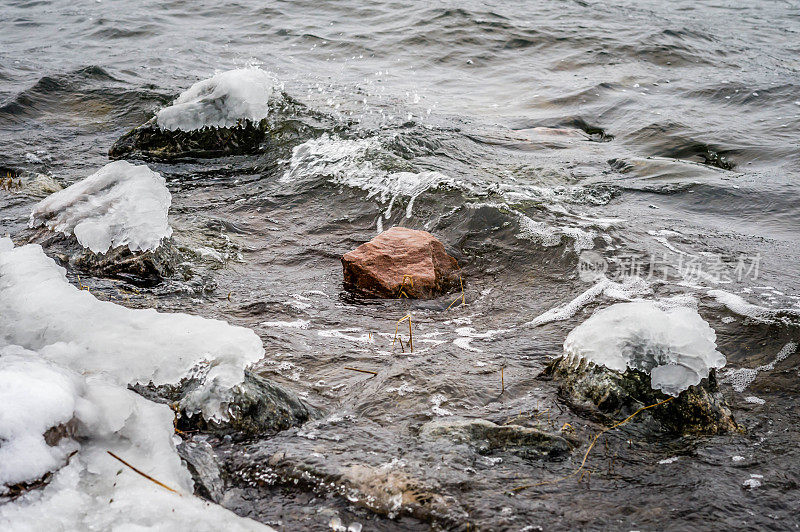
676	347
119	205
224	100
43	312
66	359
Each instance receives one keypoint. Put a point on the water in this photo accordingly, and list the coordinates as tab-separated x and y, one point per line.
682	149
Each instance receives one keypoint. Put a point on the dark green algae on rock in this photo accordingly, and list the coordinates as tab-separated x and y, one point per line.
152	142
610	396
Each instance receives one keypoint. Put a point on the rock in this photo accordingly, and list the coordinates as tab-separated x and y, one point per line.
152	142
399	262
487	436
609	395
257	407
141	268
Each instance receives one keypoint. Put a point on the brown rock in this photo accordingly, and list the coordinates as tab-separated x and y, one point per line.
400	261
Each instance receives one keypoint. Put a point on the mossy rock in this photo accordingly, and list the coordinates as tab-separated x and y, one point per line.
610	396
151	142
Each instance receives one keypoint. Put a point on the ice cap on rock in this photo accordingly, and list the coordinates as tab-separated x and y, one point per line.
676	347
119	205
223	100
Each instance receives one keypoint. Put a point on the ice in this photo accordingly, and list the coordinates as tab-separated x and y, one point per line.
66	360
36	396
43	312
676	347
224	100
626	290
119	205
89	489
351	163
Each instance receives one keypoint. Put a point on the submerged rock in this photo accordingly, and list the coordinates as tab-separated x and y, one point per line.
488	436
398	262
610	395
255	407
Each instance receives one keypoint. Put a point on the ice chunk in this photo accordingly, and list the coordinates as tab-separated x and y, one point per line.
93	491
119	205
676	347
36	397
43	312
224	100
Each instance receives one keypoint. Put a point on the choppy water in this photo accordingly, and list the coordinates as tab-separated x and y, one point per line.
684	150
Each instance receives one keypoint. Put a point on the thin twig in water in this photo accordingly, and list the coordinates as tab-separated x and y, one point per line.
586	455
362	370
145	475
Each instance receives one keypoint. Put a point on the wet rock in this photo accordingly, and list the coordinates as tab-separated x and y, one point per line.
400	262
152	142
386	489
257	407
609	395
487	436
141	268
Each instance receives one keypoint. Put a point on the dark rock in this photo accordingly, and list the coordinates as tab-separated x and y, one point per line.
151	142
608	396
400	262
487	436
259	407
141	268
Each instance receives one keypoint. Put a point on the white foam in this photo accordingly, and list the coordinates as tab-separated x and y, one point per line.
43	312
119	205
741	378
676	347
351	163
224	100
738	305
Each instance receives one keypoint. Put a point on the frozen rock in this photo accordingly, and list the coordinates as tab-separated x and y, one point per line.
119	205
488	436
86	488
43	312
676	347
633	355
223	115
398	262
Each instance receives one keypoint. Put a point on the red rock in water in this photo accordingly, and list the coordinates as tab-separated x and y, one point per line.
400	261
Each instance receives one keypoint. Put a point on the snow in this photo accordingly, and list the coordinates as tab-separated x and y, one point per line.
65	361
119	205
675	346
224	100
43	312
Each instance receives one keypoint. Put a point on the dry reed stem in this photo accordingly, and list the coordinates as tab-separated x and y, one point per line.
362	370
145	475
463	301
410	334
586	455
